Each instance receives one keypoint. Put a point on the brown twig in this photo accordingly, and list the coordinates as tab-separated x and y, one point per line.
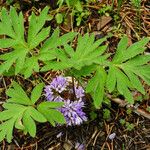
135	109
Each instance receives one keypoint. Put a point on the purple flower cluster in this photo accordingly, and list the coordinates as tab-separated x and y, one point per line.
58	85
72	109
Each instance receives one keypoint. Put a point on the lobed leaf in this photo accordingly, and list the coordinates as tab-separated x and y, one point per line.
35	25
128	64
111	79
96	86
19	112
36	93
84	55
29	124
18	95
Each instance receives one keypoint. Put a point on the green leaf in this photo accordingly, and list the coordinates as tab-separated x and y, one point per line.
123	85
135	81
6	26
52	115
143	72
9	128
59	18
41	36
12	25
123	53
111	79
35	25
14	107
69	50
11	72
122	46
96	86
18	123
6	65
138	60
56	65
2	135
18	23
84	71
5	115
56	116
51	104
47	56
36	115
6	128
18	95
78	6
31	65
36	93
50	42
25	54
84	55
20	113
20	62
129	63
55	40
4	43
29	124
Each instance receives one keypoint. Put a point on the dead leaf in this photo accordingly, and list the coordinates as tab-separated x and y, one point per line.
103	21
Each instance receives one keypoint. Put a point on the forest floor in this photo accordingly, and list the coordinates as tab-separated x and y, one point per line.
121	128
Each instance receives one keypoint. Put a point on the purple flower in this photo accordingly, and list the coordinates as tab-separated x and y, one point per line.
49	93
73	113
58	99
79	92
112	136
59	84
79	146
59	135
72	110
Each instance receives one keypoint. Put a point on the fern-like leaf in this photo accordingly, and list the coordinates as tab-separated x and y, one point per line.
12	25
25	54
20	112
128	64
88	52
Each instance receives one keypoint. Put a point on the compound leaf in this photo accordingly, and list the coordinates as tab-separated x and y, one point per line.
6	25
8	42
25	54
128	64
122	46
19	112
84	55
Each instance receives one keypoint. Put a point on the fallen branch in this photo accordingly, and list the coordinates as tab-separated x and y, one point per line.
135	108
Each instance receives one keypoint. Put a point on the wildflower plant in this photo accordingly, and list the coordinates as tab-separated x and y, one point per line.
39	51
